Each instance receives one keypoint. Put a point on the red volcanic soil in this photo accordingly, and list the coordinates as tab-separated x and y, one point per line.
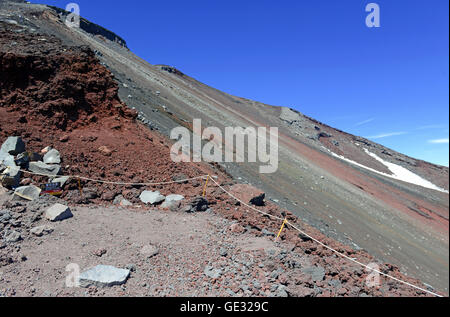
53	95
69	101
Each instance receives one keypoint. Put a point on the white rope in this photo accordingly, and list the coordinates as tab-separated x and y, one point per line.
327	247
248	206
114	183
362	264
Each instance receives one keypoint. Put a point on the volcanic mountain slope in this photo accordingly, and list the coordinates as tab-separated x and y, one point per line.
61	96
343	185
58	95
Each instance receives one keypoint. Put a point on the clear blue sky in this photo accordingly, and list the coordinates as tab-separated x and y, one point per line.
389	84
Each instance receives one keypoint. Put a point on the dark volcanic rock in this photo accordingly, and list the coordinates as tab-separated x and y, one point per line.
248	194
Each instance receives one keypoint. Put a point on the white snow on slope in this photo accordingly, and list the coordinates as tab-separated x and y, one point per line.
398	172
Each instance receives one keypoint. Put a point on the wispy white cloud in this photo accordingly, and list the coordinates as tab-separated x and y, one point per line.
364	122
385	135
438	141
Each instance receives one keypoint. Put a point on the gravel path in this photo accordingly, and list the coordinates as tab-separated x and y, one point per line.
189	247
169	253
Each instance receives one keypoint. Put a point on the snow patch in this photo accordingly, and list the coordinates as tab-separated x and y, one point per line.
398	172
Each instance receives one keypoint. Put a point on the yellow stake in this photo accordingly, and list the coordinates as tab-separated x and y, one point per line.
282	227
206	185
80	188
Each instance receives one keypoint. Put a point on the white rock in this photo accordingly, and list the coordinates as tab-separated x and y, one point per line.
62	180
149	197
171	200
103	276
13	145
149	251
27	192
12	236
52	157
7	159
58	212
41	230
42	168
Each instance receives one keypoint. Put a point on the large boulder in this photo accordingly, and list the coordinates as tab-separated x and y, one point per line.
45	169
149	197
52	157
27	192
13	145
103	276
248	194
58	212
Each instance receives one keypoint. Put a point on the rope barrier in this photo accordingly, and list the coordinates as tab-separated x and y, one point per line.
324	245
111	182
362	264
284	220
245	204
